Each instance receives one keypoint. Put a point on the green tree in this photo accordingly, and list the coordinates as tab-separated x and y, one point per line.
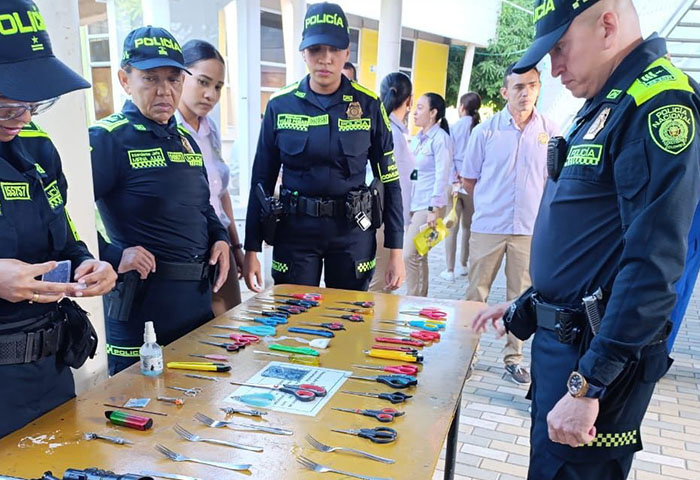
514	34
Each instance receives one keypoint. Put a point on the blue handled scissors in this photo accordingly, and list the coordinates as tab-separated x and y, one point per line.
311	331
270	321
261	331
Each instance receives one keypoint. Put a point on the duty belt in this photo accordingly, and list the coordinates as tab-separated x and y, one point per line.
182	271
312	206
27	347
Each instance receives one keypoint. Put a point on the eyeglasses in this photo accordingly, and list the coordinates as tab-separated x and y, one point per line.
11	110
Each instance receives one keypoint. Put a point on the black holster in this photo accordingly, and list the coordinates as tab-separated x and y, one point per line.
121	299
376	189
80	341
520	318
357	202
270	215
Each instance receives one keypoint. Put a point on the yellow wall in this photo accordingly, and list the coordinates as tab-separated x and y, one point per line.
430	68
368	58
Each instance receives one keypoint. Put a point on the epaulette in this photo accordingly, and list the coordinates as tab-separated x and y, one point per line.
112	122
660	76
32	130
285	90
364	90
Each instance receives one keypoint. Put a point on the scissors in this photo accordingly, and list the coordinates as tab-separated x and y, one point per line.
329	325
407	350
400	369
237	338
291	309
304	393
254	331
385	415
358	311
303	304
394	397
269	321
352	318
188	392
307	302
401	341
423	324
366	304
394	381
421	335
311	331
302	296
376	435
269	313
230	347
432	313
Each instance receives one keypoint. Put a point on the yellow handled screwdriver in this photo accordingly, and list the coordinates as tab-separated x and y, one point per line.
299	359
394	355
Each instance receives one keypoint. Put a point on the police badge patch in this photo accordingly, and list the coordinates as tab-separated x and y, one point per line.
354	111
672	128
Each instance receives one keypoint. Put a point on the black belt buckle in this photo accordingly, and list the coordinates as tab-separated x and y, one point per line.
324	208
566	327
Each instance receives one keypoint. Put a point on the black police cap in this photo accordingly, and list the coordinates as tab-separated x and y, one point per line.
29	71
325	24
152	47
552	20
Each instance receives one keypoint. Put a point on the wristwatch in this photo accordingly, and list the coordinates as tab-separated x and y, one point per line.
579	387
430	209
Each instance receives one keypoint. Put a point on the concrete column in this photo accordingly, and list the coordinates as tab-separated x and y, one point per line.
466	70
156	13
67	124
389	42
293	12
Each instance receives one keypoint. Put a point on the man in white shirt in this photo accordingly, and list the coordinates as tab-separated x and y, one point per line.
505	170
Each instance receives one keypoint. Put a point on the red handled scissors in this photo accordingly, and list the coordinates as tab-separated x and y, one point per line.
315	297
304	393
422	335
384	415
400	341
432	313
230	347
403	369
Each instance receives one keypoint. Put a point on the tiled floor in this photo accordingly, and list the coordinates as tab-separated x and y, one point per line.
494	425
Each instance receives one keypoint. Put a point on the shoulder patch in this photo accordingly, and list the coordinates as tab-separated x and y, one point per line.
32	130
182	130
658	77
285	90
112	122
364	90
672	127
385	117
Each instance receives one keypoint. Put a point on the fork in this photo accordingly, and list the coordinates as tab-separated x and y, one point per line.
176	457
244	426
306	463
327	448
196	438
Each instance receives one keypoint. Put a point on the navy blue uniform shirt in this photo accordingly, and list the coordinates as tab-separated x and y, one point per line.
619	215
34	224
324	142
151	189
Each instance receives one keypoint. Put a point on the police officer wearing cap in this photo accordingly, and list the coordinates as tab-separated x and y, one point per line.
322	131
35	230
603	284
165	239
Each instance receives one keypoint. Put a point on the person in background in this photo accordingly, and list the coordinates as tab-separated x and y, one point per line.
396	93
200	94
36	232
350	71
432	149
505	170
469	105
153	197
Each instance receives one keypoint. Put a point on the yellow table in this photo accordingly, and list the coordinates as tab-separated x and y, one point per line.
54	442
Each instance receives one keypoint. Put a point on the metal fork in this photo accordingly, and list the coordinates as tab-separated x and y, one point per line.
240	426
306	463
196	438
327	448
176	457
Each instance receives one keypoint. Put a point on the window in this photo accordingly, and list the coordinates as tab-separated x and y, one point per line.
354	46
98	42
273	70
406	57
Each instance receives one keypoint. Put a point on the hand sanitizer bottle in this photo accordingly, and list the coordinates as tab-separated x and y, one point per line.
151	353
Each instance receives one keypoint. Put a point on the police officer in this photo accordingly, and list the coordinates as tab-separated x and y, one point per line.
322	130
35	230
152	193
602	296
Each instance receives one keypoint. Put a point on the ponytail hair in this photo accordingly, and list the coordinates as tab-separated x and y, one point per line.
394	90
471	103
436	102
198	50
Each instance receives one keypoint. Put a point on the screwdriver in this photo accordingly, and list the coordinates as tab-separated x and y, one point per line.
299	359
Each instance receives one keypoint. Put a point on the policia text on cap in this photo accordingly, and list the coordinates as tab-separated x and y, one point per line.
322	131
609	241
42	333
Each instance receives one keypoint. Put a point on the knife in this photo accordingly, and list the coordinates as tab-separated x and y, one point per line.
168	475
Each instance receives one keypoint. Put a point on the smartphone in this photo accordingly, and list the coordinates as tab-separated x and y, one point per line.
60	274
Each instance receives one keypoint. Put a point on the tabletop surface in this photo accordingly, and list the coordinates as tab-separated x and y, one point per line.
54	442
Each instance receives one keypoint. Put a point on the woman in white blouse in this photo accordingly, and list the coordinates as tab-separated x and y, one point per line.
432	149
200	94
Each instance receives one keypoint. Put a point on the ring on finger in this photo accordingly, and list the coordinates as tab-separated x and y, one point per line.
35	298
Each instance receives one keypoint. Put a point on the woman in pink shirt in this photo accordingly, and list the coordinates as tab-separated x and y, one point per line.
200	94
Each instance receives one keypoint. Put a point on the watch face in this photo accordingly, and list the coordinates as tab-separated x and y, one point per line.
575	385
